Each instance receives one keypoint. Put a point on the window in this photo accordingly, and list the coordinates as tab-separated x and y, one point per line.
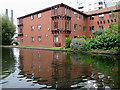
55	38
66	11
39	15
114	20
80	27
55	11
32	28
32	38
75	26
80	16
75	14
39	27
55	25
101	17
104	21
111	20
98	22
108	21
110	15
101	27
84	28
84	18
32	17
21	30
100	7
67	25
21	39
100	3
39	38
91	28
91	17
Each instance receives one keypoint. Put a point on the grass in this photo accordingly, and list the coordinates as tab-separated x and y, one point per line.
41	47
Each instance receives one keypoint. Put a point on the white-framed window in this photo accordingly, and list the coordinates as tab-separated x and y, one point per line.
39	38
75	14
39	27
56	38
55	11
39	15
80	27
32	28
32	38
91	28
91	17
32	17
101	16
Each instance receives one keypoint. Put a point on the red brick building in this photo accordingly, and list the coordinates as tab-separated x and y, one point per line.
51	26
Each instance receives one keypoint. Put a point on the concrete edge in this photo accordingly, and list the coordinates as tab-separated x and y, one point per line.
63	50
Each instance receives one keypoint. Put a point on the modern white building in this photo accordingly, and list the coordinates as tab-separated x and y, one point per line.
90	5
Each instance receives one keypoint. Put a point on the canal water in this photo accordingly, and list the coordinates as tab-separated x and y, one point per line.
28	68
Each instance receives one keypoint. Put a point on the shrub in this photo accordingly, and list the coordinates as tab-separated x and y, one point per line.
83	36
67	43
15	43
105	41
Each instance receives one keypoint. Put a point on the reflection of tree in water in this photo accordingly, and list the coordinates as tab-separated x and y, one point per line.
106	65
8	62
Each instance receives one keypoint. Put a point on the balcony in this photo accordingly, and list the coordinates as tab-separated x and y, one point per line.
61	31
20	24
20	34
66	17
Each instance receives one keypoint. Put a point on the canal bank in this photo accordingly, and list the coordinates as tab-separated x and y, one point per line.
106	52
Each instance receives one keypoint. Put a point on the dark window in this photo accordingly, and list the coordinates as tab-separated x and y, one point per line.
111	20
84	28
91	17
101	27
55	25
104	21
100	3
108	21
67	25
91	28
98	22
80	16
100	7
114	20
84	18
75	26
21	30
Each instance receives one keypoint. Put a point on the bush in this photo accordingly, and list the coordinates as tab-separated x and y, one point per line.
15	43
83	36
105	41
67	43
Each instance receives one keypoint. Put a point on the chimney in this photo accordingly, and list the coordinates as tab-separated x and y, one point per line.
6	12
12	15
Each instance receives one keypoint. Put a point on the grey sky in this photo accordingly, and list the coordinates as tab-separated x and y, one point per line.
23	7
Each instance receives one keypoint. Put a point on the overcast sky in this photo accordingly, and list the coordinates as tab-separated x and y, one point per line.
23	7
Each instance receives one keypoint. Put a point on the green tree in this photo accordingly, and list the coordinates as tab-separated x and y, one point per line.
7	28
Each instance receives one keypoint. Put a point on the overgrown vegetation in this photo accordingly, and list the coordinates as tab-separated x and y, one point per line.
7	29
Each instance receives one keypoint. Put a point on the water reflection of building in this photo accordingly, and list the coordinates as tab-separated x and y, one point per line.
58	70
50	68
